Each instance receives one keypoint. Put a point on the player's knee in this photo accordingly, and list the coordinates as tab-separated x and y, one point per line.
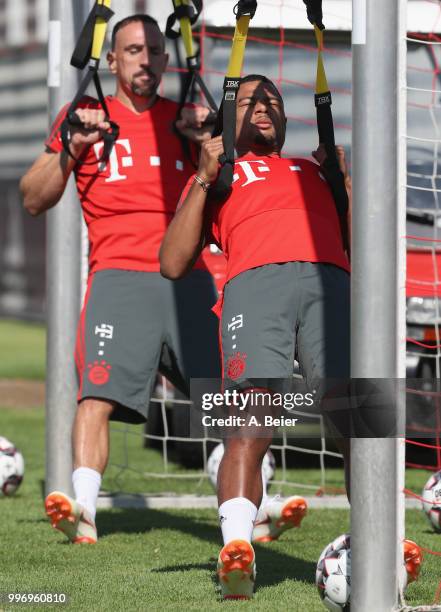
247	449
94	410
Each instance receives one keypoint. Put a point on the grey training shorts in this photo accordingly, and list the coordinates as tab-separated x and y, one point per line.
136	323
278	312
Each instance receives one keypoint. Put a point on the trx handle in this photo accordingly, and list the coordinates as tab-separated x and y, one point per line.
88	52
325	127
226	122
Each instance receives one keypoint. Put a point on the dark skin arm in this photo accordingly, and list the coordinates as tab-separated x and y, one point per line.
185	236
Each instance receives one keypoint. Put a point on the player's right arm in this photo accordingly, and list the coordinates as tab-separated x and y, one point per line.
185	236
44	183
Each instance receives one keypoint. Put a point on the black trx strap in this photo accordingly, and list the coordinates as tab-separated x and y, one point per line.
187	16
325	125
88	51
226	120
315	13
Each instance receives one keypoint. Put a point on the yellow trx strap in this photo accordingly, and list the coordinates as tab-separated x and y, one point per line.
226	120
186	31
186	13
88	52
238	47
321	80
99	32
325	125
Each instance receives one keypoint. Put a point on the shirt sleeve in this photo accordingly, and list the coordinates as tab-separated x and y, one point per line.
53	141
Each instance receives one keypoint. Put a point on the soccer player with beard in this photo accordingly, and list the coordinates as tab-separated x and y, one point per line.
133	320
286	295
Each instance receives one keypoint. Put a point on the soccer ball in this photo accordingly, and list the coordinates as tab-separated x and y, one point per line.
432	501
11	467
268	464
333	574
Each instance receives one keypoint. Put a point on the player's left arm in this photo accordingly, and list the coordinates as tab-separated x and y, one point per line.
320	156
192	123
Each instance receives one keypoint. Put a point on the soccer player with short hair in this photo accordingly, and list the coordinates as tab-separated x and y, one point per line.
286	295
133	320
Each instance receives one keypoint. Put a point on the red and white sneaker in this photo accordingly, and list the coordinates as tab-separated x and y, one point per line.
413	558
277	516
236	570
71	518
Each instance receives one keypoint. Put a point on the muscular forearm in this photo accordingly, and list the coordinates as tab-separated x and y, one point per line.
44	183
184	238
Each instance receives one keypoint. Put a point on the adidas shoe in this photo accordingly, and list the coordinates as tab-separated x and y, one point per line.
277	516
236	570
71	518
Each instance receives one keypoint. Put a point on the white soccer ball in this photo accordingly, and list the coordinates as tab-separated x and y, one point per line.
268	464
333	574
432	501
11	467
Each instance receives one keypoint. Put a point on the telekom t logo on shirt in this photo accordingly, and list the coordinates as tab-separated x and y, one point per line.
250	171
126	160
121	157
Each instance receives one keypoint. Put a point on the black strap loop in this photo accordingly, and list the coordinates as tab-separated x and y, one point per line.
226	125
245	7
331	168
184	10
314	12
81	54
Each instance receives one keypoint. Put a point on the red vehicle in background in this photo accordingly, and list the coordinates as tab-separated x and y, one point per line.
423	285
423	292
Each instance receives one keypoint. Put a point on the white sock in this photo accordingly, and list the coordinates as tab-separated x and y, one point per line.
237	518
86	483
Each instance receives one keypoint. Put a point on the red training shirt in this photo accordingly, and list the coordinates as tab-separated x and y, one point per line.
279	210
128	202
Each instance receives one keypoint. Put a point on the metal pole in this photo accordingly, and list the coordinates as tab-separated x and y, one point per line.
63	263
401	280
375	326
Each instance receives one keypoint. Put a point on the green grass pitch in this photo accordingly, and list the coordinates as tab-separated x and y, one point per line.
22	350
150	559
160	560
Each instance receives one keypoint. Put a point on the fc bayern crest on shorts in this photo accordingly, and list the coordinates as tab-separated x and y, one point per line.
236	365
99	372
